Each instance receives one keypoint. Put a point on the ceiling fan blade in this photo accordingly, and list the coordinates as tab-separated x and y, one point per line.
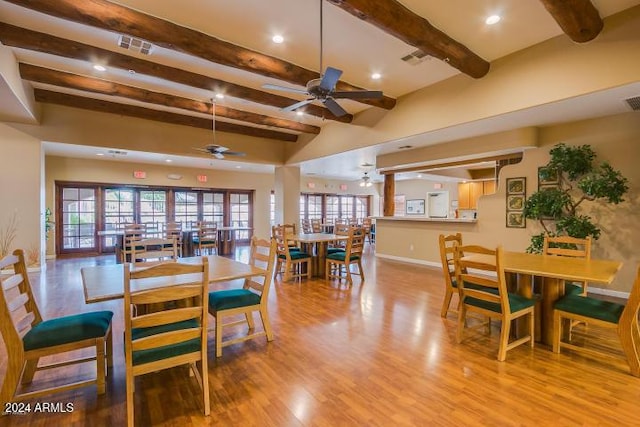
218	155
213	148
202	150
358	94
234	153
330	78
334	107
284	88
298	105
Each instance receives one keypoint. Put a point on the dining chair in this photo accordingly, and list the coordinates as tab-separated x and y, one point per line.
28	337
606	314
154	249
207	238
339	245
132	233
316	226
174	229
483	290
570	247
305	225
366	227
252	297
291	262
338	264
173	336
447	250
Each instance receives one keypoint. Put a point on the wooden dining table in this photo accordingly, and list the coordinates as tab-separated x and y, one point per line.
106	282
554	270
316	245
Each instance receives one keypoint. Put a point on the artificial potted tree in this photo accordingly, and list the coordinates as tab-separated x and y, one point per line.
578	179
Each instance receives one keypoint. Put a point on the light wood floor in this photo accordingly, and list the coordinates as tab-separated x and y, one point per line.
374	354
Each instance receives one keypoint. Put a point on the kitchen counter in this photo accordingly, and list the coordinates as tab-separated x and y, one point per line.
418	218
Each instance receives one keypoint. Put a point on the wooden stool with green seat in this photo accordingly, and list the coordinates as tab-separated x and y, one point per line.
623	318
28	338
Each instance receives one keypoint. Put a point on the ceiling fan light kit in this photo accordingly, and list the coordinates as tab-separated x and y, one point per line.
366	180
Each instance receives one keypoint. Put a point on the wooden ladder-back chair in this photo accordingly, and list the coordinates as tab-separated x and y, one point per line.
291	262
366	227
447	251
306	226
316	226
251	298
338	264
132	233
28	338
570	247
340	245
482	293
207	238
174	229
173	336
154	249
623	318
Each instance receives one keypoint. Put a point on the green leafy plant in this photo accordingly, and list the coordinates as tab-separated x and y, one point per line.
580	179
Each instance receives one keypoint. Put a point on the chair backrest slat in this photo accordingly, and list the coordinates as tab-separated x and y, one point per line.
17	302
567	246
165	317
165	294
447	249
11	282
482	276
166	339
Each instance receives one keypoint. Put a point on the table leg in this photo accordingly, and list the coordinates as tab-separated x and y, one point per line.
118	248
188	249
551	292
322	258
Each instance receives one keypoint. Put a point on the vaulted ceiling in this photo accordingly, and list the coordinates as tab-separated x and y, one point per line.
201	49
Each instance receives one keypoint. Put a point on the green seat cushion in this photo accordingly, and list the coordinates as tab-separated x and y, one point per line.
296	255
334	250
232	298
516	302
590	307
294	248
340	256
151	355
572	288
63	330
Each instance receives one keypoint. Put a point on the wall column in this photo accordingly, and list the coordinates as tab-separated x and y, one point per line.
287	194
389	193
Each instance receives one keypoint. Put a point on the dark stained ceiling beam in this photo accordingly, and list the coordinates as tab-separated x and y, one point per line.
119	19
32	40
51	97
393	18
90	84
579	19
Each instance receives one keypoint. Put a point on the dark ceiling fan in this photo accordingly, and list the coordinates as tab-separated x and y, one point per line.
217	151
323	89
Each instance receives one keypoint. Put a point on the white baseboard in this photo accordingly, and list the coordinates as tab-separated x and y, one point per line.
592	290
410	260
608	292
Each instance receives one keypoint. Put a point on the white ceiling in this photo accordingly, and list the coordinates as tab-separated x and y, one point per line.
350	44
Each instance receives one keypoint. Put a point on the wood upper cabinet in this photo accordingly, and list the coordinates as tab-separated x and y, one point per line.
470	192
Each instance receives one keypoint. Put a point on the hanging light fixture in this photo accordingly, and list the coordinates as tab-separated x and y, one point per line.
366	180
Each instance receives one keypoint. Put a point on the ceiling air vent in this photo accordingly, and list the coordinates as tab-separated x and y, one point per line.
117	152
416	57
134	44
634	103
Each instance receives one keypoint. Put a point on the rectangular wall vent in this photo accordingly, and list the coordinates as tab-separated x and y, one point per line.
416	57
134	44
634	103
117	152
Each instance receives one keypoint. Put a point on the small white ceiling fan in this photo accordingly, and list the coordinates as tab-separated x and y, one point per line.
217	151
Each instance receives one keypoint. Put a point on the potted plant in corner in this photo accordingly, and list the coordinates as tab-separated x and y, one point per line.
576	178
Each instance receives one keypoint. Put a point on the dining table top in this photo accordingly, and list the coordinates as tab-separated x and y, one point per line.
106	282
558	267
316	237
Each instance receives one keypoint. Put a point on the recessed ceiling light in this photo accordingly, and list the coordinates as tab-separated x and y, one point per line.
238	167
419	175
299	113
132	71
277	39
168	160
376	76
99	154
493	19
99	67
220	95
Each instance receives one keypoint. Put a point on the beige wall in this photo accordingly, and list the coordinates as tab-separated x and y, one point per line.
20	190
551	71
615	139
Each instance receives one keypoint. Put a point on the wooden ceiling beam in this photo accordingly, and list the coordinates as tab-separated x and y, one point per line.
74	101
119	19
32	40
393	18
73	81
579	19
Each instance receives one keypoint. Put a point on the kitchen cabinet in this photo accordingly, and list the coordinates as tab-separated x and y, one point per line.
470	192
